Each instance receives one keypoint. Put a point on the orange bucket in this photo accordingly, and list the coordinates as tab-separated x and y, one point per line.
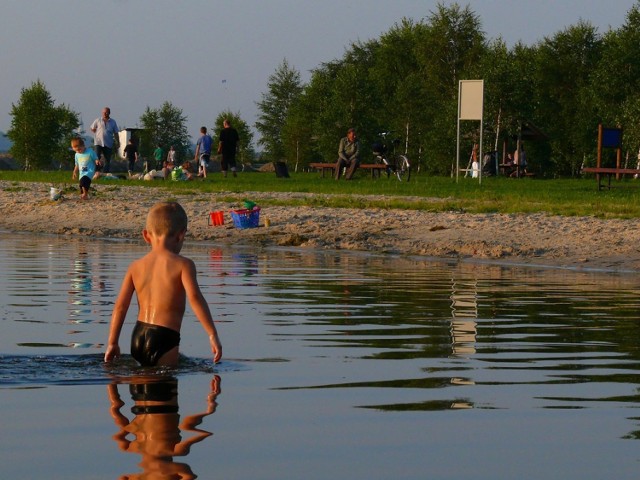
216	218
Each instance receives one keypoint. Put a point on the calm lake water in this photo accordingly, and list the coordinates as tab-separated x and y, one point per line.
336	365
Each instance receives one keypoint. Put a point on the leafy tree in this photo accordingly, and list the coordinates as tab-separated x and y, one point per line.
518	87
563	68
40	130
69	122
297	135
332	102
449	50
407	81
165	126
499	86
630	115
509	87
246	153
616	80
400	85
361	104
316	109
395	83
283	88
454	43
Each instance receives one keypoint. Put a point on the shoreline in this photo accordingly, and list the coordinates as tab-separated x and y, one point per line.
119	211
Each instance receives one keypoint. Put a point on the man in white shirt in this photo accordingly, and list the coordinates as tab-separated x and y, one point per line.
105	130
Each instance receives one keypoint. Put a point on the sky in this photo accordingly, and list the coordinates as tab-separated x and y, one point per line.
209	56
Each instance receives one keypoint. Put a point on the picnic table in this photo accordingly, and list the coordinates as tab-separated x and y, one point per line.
609	172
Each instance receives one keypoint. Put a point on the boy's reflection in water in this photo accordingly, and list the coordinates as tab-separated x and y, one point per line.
156	427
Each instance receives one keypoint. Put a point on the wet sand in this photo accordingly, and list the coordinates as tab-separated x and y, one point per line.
118	211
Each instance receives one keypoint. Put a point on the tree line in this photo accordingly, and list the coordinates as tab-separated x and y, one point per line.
406	81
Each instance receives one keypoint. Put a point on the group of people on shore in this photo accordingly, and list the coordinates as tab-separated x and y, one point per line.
227	148
91	163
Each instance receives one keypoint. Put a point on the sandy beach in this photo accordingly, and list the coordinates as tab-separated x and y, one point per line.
118	211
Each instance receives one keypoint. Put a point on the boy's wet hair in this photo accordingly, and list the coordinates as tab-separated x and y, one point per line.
167	218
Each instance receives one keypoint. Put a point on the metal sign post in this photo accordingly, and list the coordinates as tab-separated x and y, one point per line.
470	107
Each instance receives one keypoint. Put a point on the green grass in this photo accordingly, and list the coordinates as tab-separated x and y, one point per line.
499	195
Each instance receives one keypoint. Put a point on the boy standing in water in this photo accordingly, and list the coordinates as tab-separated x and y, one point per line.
85	166
162	281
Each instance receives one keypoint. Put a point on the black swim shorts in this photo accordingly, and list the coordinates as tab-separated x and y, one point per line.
149	342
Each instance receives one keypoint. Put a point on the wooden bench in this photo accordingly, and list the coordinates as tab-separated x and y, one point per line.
512	171
375	168
609	172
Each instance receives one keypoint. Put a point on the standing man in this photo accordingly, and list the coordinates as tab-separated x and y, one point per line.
105	130
228	146
203	152
158	154
348	155
131	155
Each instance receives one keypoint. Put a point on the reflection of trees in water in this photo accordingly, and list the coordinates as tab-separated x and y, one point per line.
155	432
525	325
390	298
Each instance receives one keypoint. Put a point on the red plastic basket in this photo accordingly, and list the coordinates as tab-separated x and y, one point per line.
216	218
246	218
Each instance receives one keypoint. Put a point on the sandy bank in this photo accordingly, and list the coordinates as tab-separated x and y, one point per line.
119	212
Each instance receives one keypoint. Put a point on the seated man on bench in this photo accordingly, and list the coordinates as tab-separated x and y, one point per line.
348	155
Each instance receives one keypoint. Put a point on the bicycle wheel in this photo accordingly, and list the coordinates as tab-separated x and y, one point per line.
403	168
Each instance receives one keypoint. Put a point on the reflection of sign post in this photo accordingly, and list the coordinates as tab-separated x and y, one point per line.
470	107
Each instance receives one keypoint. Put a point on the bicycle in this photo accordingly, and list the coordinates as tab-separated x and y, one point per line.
397	164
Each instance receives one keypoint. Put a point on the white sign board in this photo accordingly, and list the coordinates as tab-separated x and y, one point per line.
470	107
471	99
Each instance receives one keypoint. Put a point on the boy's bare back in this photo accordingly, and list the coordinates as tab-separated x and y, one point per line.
158	280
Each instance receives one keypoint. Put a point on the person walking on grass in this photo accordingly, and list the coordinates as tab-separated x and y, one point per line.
131	155
203	152
105	130
158	156
227	147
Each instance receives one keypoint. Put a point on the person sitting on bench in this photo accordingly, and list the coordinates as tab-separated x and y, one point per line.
348	155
